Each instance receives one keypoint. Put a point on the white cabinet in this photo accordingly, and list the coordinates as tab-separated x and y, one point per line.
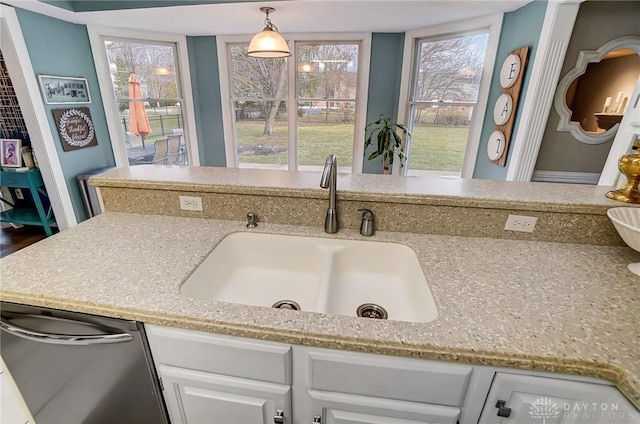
526	399
341	408
348	387
209	378
200	397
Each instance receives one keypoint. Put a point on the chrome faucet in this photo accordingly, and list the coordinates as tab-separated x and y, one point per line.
328	180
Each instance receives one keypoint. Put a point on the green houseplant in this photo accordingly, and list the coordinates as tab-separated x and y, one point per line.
389	142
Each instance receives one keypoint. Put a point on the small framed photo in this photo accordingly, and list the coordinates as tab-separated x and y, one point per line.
62	90
11	152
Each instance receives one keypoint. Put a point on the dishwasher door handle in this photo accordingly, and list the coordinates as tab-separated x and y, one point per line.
64	339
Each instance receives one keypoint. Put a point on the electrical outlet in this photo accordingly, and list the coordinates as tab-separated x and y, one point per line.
19	194
526	224
191	203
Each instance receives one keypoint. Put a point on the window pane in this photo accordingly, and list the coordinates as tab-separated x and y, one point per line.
324	128
166	124
153	64
261	142
438	139
449	70
257	78
327	71
145	84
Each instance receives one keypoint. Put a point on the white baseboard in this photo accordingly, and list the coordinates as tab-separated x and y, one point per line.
566	177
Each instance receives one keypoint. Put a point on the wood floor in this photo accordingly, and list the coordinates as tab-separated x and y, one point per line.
14	239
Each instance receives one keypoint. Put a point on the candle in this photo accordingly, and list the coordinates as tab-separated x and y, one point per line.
619	97
607	102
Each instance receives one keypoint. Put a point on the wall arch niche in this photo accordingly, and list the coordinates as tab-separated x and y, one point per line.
593	96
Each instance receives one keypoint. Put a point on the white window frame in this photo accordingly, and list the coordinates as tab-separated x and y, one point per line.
493	25
228	116
97	35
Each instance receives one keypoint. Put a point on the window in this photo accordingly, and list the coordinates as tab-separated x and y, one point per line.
260	103
144	77
147	110
291	113
447	90
327	75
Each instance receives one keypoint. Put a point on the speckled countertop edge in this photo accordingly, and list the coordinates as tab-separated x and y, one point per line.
555	197
547	306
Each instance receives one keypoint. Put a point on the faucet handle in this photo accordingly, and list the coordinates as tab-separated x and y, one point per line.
251	220
366	227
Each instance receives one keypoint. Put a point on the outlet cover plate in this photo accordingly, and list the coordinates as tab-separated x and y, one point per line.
191	203
525	224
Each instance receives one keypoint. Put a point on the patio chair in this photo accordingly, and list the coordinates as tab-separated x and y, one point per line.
174	156
160	156
132	139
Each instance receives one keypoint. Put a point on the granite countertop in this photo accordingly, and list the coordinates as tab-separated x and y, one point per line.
535	305
577	198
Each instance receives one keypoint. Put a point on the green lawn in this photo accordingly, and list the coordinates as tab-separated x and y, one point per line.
439	148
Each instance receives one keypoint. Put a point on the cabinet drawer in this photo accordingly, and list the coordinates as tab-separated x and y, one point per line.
388	377
214	353
15	179
340	408
27	179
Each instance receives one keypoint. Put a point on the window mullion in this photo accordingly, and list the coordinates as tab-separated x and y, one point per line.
292	110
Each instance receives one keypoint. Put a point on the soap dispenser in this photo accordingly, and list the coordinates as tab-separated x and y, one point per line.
366	227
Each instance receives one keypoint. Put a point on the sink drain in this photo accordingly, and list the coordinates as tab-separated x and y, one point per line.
371	310
286	304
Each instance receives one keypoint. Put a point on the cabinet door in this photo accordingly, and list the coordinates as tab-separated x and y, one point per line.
342	408
195	397
541	400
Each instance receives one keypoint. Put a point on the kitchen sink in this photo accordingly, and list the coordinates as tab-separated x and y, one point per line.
316	275
259	269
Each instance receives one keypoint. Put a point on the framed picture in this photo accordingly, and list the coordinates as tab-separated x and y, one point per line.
61	90
11	152
75	128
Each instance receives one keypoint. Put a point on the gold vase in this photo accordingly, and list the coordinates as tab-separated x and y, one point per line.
629	165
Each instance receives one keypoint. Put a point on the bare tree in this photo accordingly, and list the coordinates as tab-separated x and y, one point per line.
330	75
449	70
263	80
331	72
154	65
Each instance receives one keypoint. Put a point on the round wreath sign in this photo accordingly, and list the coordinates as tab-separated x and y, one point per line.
66	117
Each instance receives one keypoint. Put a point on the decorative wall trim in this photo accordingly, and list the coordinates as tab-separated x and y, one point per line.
560	102
566	177
554	40
16	55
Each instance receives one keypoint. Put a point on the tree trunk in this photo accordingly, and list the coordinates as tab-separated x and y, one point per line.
270	122
274	106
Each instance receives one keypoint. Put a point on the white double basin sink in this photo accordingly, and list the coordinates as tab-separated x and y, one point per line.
319	274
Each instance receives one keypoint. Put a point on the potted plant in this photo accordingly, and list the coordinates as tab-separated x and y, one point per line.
389	143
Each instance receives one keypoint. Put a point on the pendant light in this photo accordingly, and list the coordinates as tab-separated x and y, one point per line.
268	43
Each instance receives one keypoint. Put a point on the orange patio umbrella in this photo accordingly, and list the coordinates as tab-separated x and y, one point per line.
138	119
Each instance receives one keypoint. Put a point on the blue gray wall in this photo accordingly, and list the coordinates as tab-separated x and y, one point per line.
384	85
519	28
205	84
61	48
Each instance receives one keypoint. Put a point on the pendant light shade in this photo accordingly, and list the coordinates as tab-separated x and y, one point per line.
268	43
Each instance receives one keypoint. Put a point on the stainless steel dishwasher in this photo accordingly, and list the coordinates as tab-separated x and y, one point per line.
79	368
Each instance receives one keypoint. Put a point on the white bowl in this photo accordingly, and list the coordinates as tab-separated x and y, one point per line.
627	222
